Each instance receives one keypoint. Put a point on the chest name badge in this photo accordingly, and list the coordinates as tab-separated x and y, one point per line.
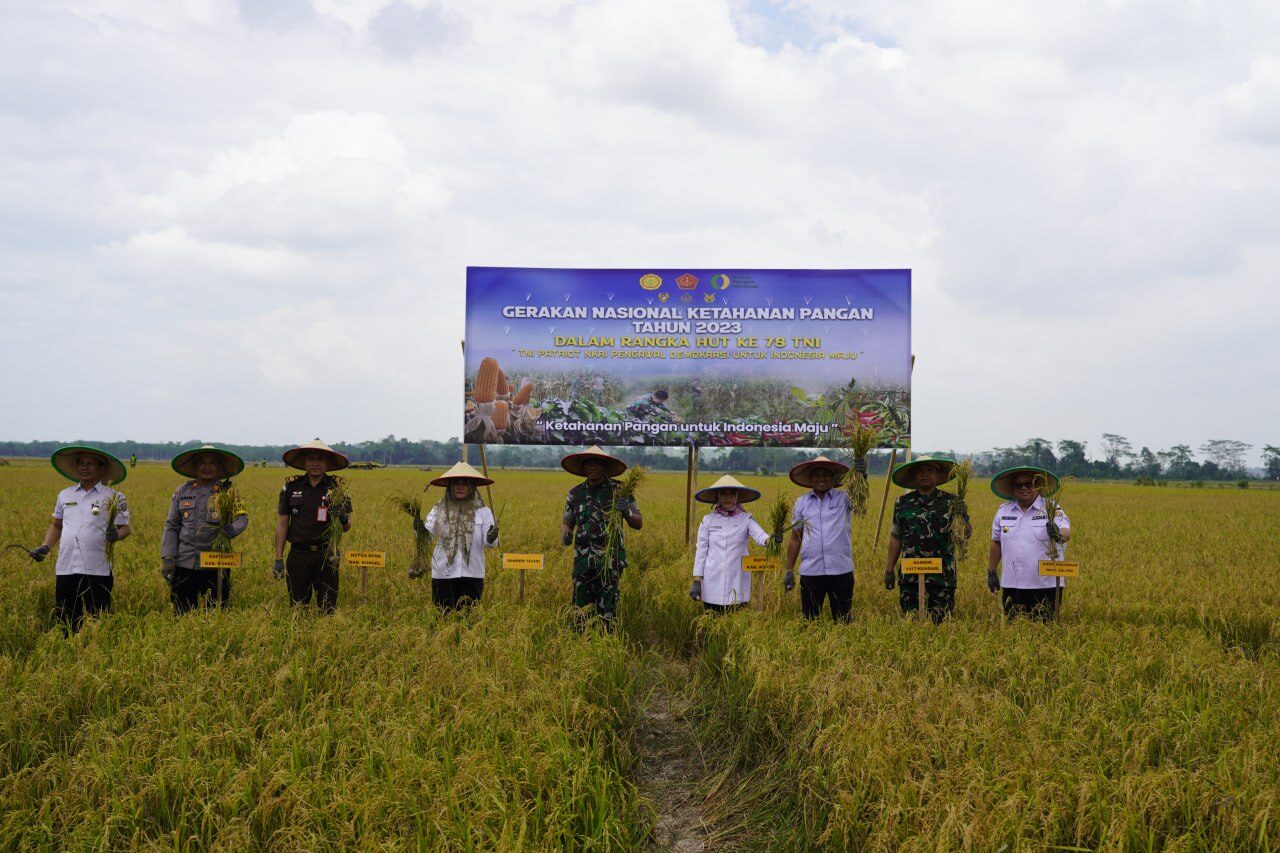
322	514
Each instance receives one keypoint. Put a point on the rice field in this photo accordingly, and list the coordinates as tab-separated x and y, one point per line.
1147	719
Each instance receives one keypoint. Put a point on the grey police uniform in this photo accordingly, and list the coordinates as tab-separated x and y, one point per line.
189	528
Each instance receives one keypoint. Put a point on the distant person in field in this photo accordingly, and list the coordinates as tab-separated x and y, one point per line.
921	528
718	579
822	539
303	514
81	528
194	522
1020	535
651	406
463	527
596	575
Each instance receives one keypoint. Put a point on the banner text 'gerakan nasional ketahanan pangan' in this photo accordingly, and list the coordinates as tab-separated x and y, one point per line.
719	357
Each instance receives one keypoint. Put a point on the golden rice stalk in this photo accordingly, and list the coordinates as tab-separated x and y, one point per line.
959	526
859	442
628	484
501	415
338	499
226	501
779	523
486	387
113	506
411	505
1052	505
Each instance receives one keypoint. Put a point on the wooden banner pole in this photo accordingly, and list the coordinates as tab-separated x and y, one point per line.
688	493
364	581
884	499
220	571
484	464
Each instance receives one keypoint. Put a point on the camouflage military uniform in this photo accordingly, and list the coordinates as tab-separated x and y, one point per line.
649	409
594	582
922	523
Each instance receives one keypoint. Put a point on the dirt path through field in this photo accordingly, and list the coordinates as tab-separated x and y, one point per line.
672	761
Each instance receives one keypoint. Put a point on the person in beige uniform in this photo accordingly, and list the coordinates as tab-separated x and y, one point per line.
192	524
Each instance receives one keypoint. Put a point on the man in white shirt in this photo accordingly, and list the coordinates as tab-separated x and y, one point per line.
1020	535
88	519
822	539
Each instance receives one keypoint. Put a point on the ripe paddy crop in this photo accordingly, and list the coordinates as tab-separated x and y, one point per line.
1146	719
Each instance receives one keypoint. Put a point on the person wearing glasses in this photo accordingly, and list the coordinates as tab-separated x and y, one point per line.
1020	535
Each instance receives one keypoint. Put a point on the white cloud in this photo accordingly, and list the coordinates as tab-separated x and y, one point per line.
325	171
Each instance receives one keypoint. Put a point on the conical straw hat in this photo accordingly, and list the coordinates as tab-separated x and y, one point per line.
801	474
462	471
64	461
185	462
711	493
905	474
575	463
293	458
1002	483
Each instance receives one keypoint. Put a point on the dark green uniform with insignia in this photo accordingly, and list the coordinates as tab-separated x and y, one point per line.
309	568
595	580
922	523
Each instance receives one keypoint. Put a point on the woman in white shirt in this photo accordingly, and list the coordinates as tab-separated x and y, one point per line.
463	527
718	579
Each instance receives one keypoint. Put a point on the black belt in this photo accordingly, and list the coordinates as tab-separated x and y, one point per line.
302	546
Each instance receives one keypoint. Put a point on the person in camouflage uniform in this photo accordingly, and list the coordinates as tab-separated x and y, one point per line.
921	528
652	407
595	576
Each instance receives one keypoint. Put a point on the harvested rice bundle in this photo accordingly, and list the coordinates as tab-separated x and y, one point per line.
628	484
113	506
780	523
859	442
227	504
411	505
338	501
1052	506
959	527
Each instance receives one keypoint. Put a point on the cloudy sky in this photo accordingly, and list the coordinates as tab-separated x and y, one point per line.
250	221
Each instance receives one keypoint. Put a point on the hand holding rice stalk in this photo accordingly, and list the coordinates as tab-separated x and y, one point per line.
858	444
339	501
1052	506
959	527
226	503
628	484
411	505
113	506
780	524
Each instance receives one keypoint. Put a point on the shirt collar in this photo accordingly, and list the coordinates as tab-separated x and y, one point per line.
96	486
727	513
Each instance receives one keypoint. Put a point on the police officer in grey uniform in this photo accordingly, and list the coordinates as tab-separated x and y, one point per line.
303	514
192	524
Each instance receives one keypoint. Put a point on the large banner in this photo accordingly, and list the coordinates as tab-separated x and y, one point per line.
716	357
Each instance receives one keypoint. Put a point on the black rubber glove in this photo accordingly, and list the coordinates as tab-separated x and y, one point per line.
229	531
993	580
623	505
777	537
111	534
39	553
166	568
959	507
492	535
344	517
695	591
416	572
1054	533
567	538
277	569
889	579
860	465
789	581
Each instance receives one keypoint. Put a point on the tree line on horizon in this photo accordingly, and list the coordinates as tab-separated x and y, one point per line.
1219	459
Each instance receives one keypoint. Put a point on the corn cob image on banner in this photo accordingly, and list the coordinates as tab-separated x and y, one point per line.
713	357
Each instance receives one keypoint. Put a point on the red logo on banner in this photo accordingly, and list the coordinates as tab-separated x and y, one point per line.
687	281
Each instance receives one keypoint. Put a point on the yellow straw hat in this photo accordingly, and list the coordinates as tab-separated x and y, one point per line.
462	471
802	474
711	493
293	458
575	463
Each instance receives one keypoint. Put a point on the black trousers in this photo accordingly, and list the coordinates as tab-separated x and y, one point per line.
722	608
78	596
453	593
310	572
188	585
1034	603
815	589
